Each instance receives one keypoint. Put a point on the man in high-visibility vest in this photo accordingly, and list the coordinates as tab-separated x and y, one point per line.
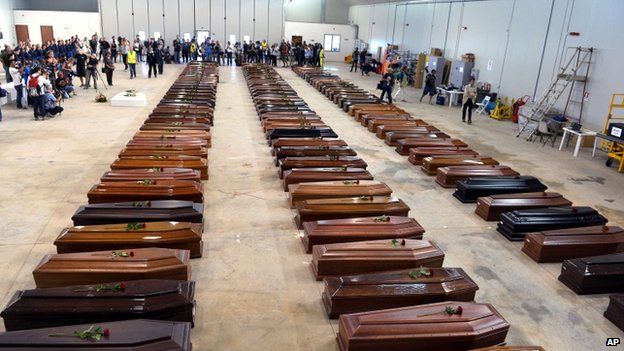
322	57
132	60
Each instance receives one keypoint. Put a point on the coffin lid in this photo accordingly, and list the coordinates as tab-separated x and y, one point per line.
364	222
586	235
157	184
386	248
124	333
428	321
523	215
327	170
133	288
353	200
157	204
612	259
343	183
148	228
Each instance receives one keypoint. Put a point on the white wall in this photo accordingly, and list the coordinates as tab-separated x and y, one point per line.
221	17
514	35
7	26
315	33
65	24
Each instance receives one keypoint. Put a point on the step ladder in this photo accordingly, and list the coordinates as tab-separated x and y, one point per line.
575	70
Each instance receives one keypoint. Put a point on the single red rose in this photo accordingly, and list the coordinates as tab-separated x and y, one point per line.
131	253
122	286
459	310
106	332
403	242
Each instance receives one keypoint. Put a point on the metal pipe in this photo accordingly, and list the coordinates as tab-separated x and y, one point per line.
539	67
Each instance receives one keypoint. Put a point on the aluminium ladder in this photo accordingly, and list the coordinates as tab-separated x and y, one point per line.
569	74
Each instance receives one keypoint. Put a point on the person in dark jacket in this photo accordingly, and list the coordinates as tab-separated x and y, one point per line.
430	86
151	62
109	68
160	58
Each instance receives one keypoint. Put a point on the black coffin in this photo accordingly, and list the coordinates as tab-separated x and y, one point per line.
133	335
515	225
615	310
468	190
139	211
595	274
53	307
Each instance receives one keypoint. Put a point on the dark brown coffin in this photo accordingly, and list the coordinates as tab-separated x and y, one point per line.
615	310
156	173
359	229
304	151
431	164
104	267
563	244
361	257
336	189
384	130
403	145
595	274
164	151
133	162
306	142
171	235
511	348
492	207
289	163
381	117
151	298
141	191
165	142
423	328
416	155
375	124
165	134
447	177
132	335
391	138
139	211
348	207
175	125
306	175
377	291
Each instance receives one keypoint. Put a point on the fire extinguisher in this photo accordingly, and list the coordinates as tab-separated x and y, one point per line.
516	107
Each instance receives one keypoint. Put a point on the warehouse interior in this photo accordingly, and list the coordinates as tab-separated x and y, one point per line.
301	175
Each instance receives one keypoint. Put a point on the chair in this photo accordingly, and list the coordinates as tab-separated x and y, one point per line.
544	131
483	104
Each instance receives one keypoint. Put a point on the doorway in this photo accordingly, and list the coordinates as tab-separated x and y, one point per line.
47	34
21	31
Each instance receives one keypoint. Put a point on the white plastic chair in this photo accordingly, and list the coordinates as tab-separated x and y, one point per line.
483	104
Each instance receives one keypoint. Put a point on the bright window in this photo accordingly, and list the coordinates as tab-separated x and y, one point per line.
142	35
187	36
332	43
246	39
156	35
232	39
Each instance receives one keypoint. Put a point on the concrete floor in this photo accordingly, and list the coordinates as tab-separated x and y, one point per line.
255	288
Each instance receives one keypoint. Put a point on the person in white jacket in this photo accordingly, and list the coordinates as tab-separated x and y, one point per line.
16	73
470	94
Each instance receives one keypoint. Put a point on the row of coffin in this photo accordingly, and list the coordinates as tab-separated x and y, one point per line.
386	285
121	278
552	229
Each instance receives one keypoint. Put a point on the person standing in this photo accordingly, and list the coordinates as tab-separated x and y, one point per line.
185	50
113	49
160	58
109	68
228	52
430	86
355	56
321	56
16	72
92	64
34	92
132	60
124	48
401	78
151	62
362	60
385	85
470	93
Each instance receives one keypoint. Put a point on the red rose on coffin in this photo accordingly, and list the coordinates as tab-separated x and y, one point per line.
122	286
459	310
106	332
131	253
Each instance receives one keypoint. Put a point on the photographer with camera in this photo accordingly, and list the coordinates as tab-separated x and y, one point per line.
92	64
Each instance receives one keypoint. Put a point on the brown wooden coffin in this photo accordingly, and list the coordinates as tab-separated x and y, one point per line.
384	130
492	207
171	235
382	117
615	310
361	257
305	142
335	189
407	287
52	307
110	266
307	175
139	211
594	274
175	126
267	126
510	348
289	163
431	164
403	145
156	173
416	155
164	151
423	328
168	142
305	151
192	162
359	229
447	177
130	335
199	134
375	124
391	138
156	118
146	190
564	244
348	207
